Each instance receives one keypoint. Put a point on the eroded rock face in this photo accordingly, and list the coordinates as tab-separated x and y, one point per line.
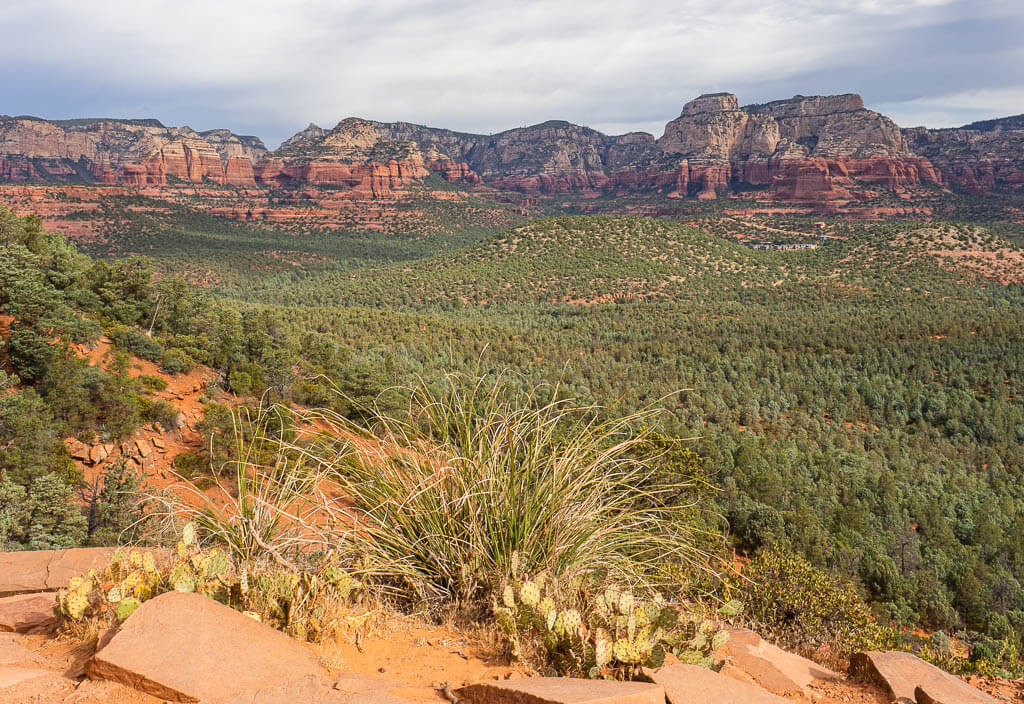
805	148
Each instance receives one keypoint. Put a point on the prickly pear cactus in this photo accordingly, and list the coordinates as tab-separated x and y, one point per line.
614	633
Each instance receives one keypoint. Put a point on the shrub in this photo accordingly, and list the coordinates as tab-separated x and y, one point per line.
133	341
175	361
805	608
475	473
152	383
157	411
116	504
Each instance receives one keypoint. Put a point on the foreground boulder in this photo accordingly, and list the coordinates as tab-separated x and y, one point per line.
560	690
188	648
47	570
751	658
27	612
690	684
908	678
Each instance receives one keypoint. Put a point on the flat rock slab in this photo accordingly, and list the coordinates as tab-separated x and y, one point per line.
561	690
47	570
908	678
691	684
13	653
188	648
27	612
311	690
772	668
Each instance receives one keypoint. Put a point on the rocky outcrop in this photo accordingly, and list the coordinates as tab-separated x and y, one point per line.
804	148
135	152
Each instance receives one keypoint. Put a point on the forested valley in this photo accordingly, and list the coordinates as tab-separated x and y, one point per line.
859	402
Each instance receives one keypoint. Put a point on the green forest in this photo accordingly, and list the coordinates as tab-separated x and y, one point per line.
860	403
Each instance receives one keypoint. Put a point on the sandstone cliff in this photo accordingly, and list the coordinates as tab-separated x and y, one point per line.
810	148
139	152
805	148
975	158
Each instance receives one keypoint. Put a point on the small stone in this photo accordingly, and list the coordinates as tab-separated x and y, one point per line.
144	448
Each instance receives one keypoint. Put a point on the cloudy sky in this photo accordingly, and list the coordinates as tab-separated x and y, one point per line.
270	67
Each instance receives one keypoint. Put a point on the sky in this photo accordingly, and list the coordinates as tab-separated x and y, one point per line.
270	68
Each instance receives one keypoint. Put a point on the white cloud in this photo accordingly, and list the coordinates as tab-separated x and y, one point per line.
479	66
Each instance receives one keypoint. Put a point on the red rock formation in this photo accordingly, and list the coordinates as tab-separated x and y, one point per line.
238	172
371	180
453	171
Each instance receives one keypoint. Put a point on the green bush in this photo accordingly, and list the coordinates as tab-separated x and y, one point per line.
152	383
176	361
134	341
804	608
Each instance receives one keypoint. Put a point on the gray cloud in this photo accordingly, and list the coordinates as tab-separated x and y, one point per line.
269	68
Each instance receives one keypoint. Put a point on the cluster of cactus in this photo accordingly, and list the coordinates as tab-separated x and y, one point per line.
133	576
614	636
305	604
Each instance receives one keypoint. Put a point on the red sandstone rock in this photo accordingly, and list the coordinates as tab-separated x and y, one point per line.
690	684
908	678
27	612
47	570
772	668
186	647
11	653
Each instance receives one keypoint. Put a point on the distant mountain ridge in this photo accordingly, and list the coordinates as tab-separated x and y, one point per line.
804	148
